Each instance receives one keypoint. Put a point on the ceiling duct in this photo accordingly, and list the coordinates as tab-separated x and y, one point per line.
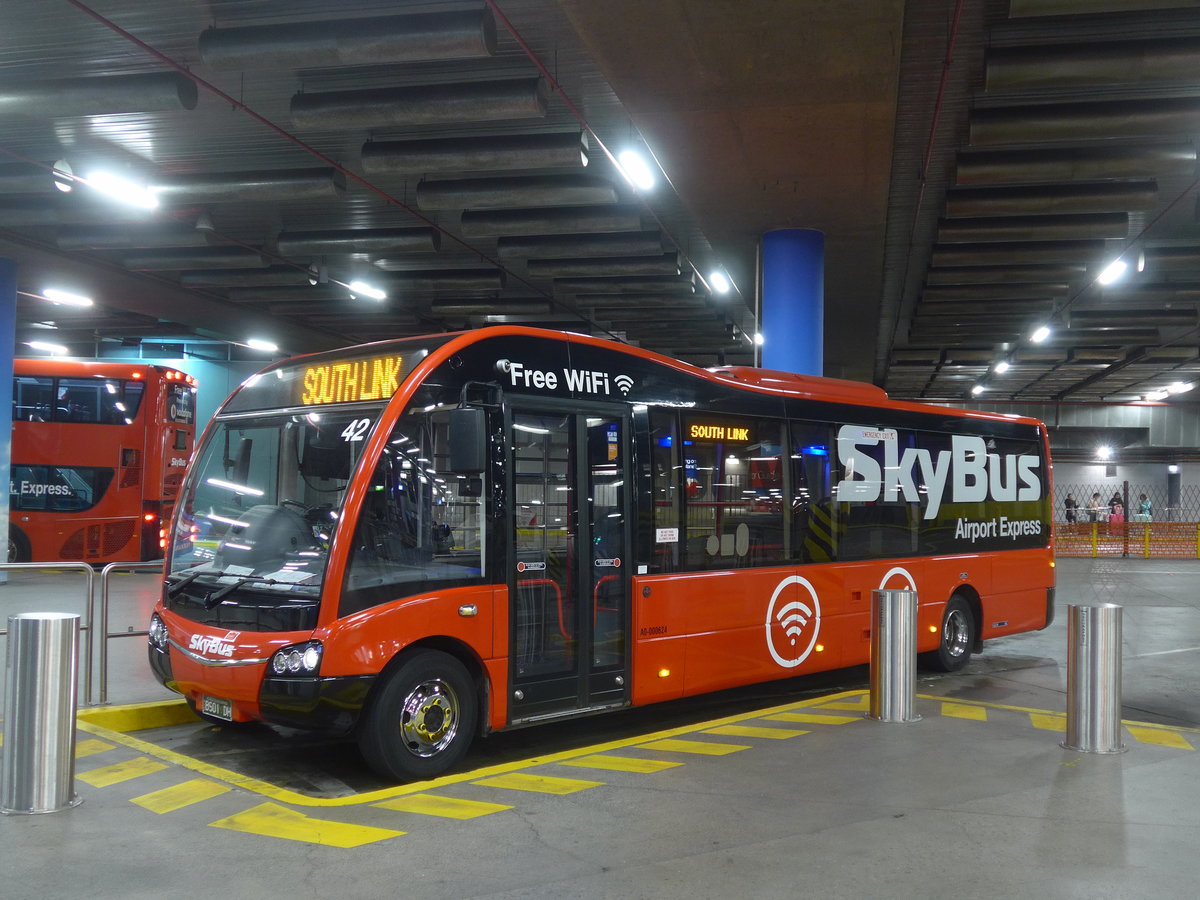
25	179
553	220
133	237
275	275
352	42
248	187
108	95
1004	274
443	280
667	264
1033	228
1100	197
492	307
568	246
940	293
19	212
501	193
1171	259
434	104
690	302
1090	64
1084	121
1152	294
642	284
303	292
199	258
1017	254
358	240
511	151
1074	164
1125	318
966	307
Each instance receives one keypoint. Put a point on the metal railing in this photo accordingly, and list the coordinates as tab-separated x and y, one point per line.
106	635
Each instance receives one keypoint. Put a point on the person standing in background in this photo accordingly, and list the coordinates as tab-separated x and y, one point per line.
1070	506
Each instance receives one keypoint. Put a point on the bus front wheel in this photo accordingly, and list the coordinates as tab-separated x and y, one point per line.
18	546
958	637
422	719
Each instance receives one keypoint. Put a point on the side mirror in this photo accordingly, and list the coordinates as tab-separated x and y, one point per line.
468	440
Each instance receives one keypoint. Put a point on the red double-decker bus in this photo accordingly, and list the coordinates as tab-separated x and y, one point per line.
98	455
416	542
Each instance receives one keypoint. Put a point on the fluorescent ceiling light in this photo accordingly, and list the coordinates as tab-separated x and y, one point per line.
1040	334
256	344
1180	387
66	298
1157	395
758	338
46	348
720	283
1002	367
1104	452
636	170
123	189
977	390
362	288
1112	271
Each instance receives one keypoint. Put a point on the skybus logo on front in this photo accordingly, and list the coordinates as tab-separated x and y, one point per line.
974	475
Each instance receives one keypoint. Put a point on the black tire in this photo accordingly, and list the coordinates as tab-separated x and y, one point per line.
18	546
959	631
421	719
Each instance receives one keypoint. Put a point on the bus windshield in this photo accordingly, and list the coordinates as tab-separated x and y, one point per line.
262	504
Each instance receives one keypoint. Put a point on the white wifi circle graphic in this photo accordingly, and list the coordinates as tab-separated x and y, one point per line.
624	383
793	617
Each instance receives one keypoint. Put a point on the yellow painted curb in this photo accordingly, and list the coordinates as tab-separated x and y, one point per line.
138	716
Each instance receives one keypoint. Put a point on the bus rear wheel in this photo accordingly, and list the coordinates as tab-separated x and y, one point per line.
959	631
422	720
18	546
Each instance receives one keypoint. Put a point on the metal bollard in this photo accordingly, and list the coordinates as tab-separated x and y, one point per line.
893	656
1094	678
38	770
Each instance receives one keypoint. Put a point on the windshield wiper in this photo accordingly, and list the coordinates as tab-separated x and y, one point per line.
224	591
174	589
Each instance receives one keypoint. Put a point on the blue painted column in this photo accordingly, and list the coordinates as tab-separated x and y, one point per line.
8	331
793	301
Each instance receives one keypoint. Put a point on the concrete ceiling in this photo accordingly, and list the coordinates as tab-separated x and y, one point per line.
973	164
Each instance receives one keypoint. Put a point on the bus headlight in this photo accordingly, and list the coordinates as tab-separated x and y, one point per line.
158	633
298	659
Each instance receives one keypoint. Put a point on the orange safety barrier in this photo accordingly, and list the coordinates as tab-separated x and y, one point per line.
1162	540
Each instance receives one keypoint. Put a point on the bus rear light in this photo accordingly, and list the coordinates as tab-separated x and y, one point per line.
298	659
149	517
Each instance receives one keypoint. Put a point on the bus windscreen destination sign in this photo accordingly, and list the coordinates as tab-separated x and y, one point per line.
352	380
727	432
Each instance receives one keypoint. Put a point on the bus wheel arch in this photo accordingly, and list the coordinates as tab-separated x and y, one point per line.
19	548
959	634
422	715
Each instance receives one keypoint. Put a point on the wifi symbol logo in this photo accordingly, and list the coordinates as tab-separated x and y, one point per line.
624	383
792	625
793	617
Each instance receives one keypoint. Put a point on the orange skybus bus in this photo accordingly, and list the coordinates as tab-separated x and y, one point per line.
416	542
98	455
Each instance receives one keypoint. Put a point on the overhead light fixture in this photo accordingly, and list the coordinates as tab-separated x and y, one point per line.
362	289
1156	395
1040	334
1112	272
46	348
977	390
204	222
1104	452
636	170
64	176
758	339
123	189
1001	367
1180	387
1173	469
719	281
256	344
66	298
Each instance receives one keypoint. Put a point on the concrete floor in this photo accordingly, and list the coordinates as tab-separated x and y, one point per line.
784	790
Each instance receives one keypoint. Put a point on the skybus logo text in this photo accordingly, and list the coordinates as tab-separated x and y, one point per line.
973	474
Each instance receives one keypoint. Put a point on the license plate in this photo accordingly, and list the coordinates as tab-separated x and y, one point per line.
217	708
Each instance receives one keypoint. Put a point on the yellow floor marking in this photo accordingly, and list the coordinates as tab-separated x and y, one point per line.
446	807
90	747
1160	737
861	704
180	795
273	820
755	731
620	763
538	784
1048	722
123	771
138	716
964	711
813	718
704	748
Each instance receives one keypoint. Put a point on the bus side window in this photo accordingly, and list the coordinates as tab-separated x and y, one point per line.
814	526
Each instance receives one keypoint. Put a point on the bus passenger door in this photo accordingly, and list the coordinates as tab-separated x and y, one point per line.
569	582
